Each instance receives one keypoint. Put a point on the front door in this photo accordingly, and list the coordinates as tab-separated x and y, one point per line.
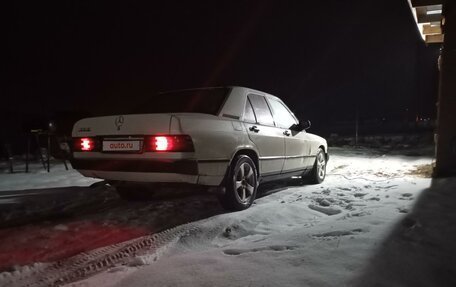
297	146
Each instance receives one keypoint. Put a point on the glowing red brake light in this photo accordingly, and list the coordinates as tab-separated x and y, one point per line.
174	143
84	144
163	143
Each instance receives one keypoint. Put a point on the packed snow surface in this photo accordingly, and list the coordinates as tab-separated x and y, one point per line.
375	221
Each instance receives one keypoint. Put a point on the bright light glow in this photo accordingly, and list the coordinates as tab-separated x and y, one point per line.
87	144
433	12
163	143
169	143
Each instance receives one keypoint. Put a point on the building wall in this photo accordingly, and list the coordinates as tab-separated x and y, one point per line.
446	125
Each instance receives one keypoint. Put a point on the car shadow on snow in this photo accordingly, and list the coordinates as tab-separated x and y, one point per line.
18	207
421	249
45	225
272	187
100	201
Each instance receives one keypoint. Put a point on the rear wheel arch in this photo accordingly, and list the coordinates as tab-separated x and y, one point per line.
240	183
245	151
250	153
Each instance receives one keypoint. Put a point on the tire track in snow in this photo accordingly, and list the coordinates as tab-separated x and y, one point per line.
89	263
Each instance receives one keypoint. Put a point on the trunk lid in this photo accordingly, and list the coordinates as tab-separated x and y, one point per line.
120	125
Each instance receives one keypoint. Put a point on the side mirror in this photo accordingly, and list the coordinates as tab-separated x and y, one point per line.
304	125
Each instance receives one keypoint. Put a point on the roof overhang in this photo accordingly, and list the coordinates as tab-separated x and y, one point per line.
429	18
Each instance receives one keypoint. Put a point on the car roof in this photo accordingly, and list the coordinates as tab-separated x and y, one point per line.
246	89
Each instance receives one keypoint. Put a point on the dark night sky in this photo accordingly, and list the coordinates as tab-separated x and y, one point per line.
321	57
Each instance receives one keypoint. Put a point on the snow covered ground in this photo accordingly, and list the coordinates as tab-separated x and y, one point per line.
375	221
38	177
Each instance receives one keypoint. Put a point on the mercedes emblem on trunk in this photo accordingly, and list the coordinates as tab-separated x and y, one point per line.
119	122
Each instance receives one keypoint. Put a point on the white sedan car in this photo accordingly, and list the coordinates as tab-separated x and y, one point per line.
227	138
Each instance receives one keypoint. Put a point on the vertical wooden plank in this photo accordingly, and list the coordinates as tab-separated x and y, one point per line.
446	114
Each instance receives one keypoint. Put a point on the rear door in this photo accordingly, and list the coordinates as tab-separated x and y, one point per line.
267	137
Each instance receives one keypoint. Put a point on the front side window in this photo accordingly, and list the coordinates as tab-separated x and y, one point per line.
261	109
282	117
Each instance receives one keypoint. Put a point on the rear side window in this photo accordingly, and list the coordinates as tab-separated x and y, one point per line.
282	116
249	116
261	109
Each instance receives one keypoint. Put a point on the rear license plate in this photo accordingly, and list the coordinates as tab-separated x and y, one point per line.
121	145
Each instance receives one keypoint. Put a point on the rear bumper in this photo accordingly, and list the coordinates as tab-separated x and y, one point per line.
176	166
152	170
147	177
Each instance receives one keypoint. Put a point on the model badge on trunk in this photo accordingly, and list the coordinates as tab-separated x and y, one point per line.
84	130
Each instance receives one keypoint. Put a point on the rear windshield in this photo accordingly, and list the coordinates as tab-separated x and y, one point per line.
205	101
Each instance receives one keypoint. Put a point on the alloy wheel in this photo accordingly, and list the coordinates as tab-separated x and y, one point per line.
244	183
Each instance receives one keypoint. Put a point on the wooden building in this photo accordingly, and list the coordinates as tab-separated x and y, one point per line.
436	21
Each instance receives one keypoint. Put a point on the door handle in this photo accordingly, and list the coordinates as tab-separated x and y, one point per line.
254	129
287	133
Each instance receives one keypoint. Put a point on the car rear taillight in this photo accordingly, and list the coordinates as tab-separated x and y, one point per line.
84	144
170	143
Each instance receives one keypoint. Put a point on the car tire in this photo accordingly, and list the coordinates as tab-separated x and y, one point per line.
318	172
240	184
